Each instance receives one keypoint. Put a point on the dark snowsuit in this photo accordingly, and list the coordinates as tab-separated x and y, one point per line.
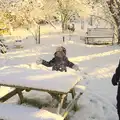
116	81
58	63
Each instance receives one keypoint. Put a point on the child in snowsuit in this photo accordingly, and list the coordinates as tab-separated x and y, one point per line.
116	81
60	62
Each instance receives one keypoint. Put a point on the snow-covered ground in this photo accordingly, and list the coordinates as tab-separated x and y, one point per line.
97	64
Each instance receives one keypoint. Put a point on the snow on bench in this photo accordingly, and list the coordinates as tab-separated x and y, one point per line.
38	79
18	44
19	112
99	33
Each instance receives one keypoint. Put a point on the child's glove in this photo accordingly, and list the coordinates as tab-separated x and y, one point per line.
75	67
39	61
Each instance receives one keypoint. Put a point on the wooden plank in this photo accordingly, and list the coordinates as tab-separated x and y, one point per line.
73	96
71	105
100	29
61	103
19	91
8	96
31	88
99	36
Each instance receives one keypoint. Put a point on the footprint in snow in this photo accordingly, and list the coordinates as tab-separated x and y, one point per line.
85	73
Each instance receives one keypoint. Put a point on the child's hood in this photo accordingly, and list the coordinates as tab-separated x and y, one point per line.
59	54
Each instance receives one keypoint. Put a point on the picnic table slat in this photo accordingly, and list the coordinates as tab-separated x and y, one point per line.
9	95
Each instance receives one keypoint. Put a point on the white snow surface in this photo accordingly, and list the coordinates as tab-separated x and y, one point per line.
17	112
38	79
96	62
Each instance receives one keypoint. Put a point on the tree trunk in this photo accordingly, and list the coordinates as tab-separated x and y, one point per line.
64	25
39	34
36	38
112	6
118	35
33	34
64	20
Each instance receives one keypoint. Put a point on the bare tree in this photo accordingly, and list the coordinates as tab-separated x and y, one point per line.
69	8
111	11
27	12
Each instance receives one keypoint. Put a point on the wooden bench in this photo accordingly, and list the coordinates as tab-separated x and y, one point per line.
18	44
57	84
20	112
93	33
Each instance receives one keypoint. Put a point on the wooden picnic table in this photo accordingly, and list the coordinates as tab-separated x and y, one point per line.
58	84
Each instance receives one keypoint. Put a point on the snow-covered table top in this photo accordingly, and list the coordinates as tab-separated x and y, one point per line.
16	112
38	79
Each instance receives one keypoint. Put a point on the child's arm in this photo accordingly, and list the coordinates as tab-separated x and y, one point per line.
45	63
72	65
48	64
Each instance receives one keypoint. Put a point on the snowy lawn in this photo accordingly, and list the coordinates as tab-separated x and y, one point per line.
97	64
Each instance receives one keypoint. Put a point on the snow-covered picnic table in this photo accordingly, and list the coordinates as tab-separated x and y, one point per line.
38	79
55	83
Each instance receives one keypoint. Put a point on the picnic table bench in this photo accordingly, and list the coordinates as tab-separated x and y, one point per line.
93	33
57	84
20	112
